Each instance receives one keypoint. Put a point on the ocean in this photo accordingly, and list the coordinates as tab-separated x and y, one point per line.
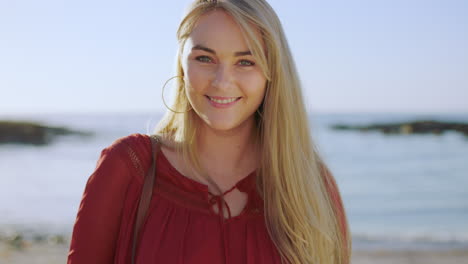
399	191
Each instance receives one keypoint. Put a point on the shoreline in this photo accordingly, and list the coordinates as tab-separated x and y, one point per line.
458	256
51	252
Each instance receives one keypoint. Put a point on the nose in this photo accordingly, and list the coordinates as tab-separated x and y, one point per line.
223	78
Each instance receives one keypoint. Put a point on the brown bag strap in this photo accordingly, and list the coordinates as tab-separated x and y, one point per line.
146	194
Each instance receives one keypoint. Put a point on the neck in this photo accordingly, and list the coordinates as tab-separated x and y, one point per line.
232	151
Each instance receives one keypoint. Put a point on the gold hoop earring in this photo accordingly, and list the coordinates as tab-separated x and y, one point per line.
259	114
164	101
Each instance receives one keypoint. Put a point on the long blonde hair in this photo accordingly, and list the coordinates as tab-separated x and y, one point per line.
304	214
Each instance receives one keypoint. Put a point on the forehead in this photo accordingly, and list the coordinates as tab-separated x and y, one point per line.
219	31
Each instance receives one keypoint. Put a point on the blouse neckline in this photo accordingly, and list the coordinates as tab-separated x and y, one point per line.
245	184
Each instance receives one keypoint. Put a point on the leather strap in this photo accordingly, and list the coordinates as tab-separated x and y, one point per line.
146	194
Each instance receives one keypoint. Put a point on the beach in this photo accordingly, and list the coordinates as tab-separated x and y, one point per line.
410	257
404	195
47	252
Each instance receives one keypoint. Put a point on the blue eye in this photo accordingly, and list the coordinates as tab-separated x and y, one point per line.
203	59
246	63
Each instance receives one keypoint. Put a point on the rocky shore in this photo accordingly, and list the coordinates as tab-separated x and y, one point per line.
49	249
46	253
412	127
41	249
33	133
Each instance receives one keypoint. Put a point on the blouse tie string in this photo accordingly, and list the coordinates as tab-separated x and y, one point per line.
220	201
217	199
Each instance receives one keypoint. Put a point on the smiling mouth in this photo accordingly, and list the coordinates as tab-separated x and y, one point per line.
223	100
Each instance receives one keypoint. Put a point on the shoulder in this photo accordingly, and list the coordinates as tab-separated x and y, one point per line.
132	151
136	141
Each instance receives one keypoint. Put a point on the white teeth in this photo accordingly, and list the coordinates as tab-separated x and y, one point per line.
224	101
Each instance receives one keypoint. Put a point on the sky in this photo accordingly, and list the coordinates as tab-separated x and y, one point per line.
352	56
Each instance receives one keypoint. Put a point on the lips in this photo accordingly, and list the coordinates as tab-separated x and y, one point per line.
222	97
222	102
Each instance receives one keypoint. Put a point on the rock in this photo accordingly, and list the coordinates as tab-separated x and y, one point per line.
406	129
414	127
58	239
39	238
23	132
16	242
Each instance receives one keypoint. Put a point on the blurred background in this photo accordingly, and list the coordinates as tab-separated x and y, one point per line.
99	66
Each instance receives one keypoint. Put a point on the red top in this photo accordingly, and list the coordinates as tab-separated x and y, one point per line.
181	226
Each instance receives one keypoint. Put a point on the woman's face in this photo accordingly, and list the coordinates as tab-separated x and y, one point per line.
223	83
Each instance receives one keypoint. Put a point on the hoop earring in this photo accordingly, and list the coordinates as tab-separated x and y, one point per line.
259	114
164	101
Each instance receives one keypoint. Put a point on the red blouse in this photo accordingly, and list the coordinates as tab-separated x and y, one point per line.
181	226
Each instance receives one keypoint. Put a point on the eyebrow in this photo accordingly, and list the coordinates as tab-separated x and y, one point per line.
237	54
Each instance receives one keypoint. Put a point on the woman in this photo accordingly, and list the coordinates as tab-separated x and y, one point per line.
238	178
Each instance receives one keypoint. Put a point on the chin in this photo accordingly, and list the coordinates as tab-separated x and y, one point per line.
225	123
222	125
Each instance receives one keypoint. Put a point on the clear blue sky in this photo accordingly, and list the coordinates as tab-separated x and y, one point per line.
83	56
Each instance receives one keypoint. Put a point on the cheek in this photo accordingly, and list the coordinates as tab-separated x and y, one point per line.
254	85
196	78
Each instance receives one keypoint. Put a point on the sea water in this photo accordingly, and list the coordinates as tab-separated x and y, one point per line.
399	191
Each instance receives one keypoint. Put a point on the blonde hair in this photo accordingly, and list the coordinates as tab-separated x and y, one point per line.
304	214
